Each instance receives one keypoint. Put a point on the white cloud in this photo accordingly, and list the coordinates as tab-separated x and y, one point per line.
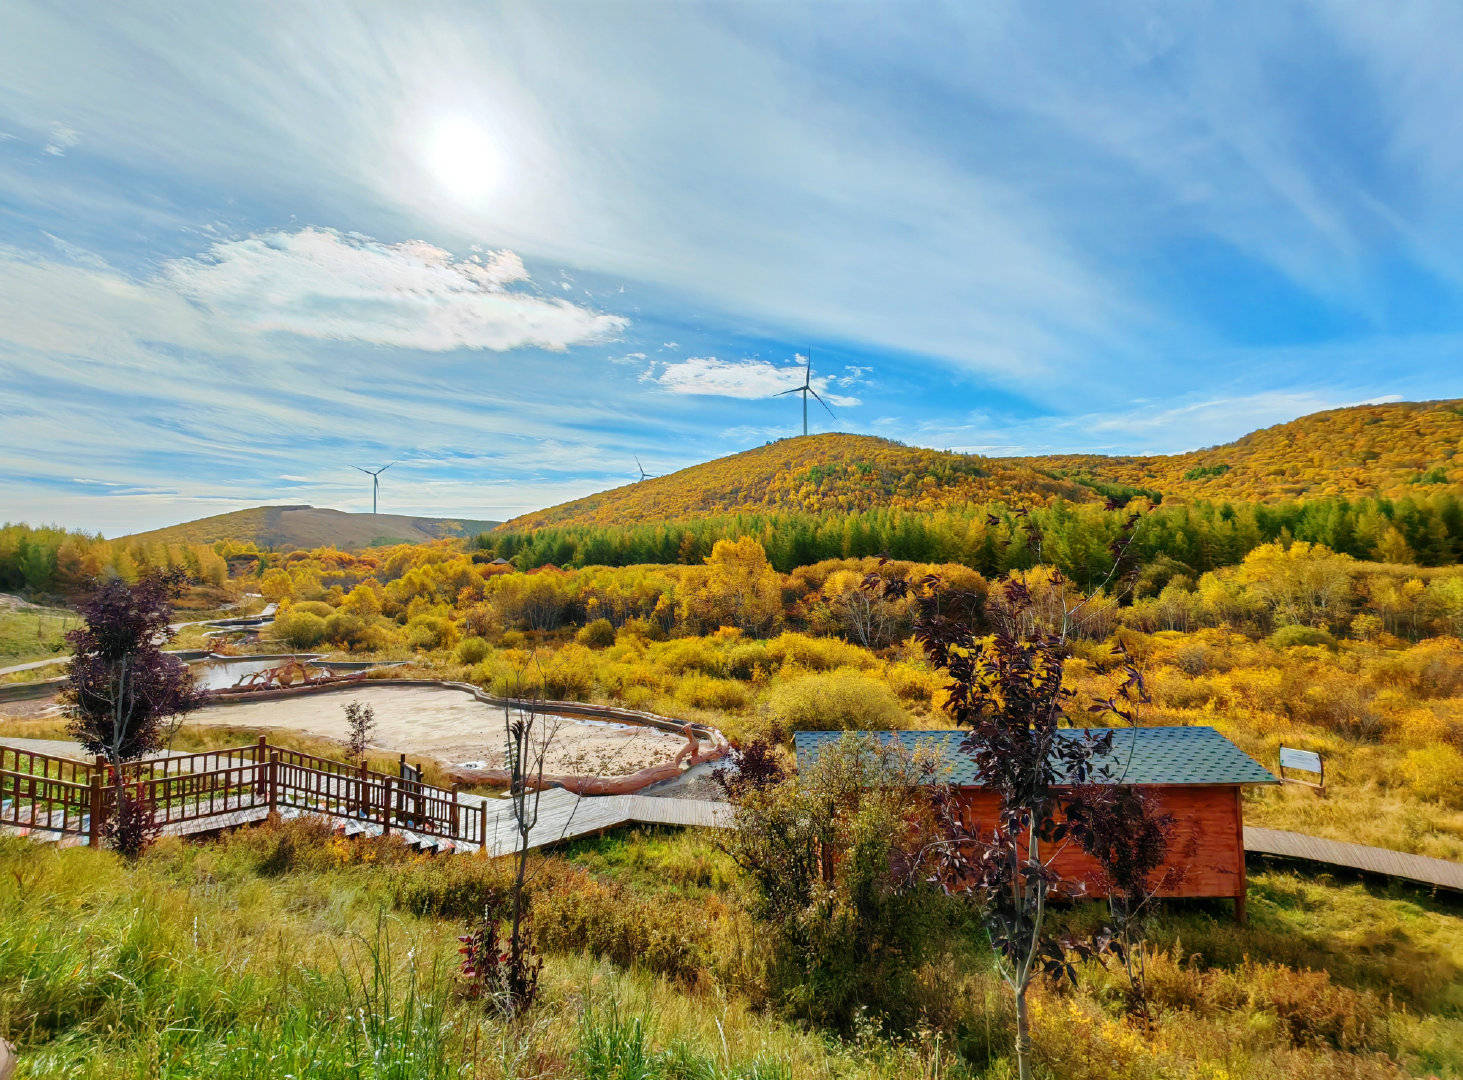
62	138
706	375
320	283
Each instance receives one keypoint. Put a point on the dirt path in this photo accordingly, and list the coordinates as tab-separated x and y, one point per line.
453	728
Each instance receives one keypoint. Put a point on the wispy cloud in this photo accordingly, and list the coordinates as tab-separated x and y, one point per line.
62	138
323	284
711	377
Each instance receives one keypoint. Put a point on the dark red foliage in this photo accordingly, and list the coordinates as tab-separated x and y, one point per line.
758	765
120	683
490	971
132	824
1057	782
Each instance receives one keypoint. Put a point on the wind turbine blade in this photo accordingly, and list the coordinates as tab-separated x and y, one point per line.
383	468
794	390
368	472
822	403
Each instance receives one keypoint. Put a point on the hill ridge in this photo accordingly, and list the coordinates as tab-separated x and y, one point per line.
1391	449
300	525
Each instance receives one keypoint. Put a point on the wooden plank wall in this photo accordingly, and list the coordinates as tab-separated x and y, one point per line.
1207	845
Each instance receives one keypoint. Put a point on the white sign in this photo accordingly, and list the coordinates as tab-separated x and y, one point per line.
1299	759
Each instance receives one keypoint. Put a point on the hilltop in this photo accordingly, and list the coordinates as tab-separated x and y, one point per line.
310	527
815	473
1393	450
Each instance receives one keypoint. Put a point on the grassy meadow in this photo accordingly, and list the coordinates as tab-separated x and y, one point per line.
288	951
33	632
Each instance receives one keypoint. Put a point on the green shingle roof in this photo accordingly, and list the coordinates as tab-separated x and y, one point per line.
1148	755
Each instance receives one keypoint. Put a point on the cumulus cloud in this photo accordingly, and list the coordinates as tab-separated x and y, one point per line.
709	376
320	283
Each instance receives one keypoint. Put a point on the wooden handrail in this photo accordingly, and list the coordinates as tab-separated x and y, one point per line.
242	778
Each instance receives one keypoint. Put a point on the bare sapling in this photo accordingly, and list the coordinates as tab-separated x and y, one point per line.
529	733
360	725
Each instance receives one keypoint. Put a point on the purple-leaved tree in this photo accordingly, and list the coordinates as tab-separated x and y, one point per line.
125	695
1031	746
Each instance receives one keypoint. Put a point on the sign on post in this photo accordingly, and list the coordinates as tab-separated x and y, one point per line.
1303	761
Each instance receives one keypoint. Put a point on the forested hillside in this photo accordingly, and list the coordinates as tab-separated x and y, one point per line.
1408	450
815	473
1396	450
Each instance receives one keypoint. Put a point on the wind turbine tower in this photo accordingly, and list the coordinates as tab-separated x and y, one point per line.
375	476
805	390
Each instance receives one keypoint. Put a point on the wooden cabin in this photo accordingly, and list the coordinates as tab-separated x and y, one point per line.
1194	774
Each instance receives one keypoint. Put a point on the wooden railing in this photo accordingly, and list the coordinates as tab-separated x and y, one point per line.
69	797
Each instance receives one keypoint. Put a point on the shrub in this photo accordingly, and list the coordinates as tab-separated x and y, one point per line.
345	628
429	632
300	629
743	660
1434	772
816	654
576	912
839	701
844	936
1288	636
451	888
599	634
705	692
314	607
471	650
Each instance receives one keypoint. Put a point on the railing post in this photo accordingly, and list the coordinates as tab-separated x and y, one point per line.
386	810
454	811
94	826
363	804
483	826
261	756
273	780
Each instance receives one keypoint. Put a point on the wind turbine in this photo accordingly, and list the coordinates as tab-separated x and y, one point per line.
805	390
375	476
643	474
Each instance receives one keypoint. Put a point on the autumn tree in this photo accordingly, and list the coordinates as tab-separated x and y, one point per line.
741	589
862	615
1303	583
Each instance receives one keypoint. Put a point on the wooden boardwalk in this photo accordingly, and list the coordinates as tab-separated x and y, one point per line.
562	815
1420	869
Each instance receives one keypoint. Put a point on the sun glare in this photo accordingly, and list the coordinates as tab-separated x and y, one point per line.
463	158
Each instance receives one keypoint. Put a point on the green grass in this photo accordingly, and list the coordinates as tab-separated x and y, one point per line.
33	633
289	951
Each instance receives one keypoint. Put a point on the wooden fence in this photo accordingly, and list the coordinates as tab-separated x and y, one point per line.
215	788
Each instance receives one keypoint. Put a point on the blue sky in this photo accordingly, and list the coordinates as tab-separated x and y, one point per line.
244	247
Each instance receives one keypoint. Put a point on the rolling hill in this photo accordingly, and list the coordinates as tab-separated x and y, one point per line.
815	473
308	527
1406	448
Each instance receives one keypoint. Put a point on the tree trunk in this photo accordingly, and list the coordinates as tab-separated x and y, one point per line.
1023	1034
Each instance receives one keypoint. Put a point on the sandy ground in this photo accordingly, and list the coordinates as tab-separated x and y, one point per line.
453	727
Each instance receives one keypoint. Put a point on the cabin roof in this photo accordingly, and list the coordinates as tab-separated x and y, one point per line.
1145	755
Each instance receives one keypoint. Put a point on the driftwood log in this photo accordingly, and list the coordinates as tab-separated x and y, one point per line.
7	1060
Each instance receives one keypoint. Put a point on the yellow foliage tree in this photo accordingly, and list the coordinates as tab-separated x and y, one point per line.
741	589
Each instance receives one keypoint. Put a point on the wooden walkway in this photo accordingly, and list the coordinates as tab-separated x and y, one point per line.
562	815
1420	869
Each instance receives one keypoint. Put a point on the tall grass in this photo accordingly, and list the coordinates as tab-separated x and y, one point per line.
228	959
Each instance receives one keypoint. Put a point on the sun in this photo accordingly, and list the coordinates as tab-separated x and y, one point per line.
463	158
